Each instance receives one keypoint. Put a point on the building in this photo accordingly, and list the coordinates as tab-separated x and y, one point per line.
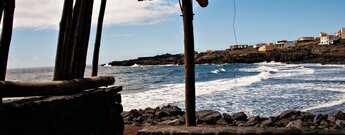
267	48
327	39
304	39
286	44
237	47
261	45
341	33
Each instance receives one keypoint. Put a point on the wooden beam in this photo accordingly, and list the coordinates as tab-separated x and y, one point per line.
187	6
98	38
52	88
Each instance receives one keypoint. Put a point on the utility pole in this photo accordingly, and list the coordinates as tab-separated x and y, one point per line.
189	65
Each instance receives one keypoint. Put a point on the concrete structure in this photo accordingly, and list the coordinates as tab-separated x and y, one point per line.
261	45
328	39
286	44
303	39
234	47
267	48
342	33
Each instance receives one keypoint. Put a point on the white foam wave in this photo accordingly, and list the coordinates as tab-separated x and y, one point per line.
175	92
326	105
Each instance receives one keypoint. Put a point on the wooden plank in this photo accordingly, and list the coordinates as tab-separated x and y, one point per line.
52	88
187	6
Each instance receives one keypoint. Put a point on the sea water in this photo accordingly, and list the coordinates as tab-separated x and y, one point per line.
263	89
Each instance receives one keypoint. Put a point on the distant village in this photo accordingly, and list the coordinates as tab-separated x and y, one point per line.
323	39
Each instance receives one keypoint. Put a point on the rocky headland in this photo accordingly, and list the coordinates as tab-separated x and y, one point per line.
309	53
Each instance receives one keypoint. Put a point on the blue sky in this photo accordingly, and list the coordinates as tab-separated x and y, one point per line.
134	29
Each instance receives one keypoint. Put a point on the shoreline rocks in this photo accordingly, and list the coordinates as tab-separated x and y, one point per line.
174	116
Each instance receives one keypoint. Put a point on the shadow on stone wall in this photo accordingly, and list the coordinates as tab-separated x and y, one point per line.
94	112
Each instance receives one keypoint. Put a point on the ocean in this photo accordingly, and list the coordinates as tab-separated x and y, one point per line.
263	89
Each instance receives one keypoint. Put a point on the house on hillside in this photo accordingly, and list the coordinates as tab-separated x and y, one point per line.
261	45
326	39
305	39
340	34
267	48
238	47
285	44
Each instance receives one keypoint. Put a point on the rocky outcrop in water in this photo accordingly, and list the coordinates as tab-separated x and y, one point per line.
329	54
172	115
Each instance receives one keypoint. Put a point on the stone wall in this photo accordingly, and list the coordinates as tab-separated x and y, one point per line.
93	112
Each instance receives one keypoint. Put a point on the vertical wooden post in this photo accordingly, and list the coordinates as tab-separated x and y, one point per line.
60	60
189	64
98	38
6	37
80	48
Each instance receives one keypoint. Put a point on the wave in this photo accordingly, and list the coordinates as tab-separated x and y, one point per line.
217	71
171	93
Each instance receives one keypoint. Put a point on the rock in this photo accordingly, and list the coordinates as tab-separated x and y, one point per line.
340	123
208	116
307	116
288	114
221	121
295	124
160	114
254	120
138	120
125	114
268	123
133	114
318	118
241	116
331	118
149	111
324	124
339	115
227	118
172	110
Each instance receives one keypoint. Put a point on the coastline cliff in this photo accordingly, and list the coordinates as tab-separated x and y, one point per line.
313	53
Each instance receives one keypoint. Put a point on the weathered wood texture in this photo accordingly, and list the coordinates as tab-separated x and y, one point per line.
60	71
6	36
187	6
52	88
73	40
98	38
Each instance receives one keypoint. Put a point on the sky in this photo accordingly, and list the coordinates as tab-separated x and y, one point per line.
134	29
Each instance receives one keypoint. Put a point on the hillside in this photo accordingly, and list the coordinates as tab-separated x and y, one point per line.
312	53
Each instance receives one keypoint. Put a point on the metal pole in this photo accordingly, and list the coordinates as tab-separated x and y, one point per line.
187	11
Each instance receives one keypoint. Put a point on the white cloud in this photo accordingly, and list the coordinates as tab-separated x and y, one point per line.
45	14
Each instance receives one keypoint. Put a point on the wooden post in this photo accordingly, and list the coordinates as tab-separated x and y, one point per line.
60	60
81	39
6	37
98	38
189	65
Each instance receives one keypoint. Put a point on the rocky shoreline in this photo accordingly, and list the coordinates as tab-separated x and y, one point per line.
174	116
313	53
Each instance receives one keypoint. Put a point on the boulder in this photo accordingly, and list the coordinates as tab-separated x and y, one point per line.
295	124
254	120
339	115
227	118
270	122
318	118
288	114
208	116
340	123
241	116
149	111
172	110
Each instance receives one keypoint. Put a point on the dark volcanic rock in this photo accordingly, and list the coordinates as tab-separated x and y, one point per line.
208	116
241	116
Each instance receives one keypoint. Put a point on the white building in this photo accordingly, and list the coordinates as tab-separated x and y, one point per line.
261	45
234	47
327	39
303	39
285	44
